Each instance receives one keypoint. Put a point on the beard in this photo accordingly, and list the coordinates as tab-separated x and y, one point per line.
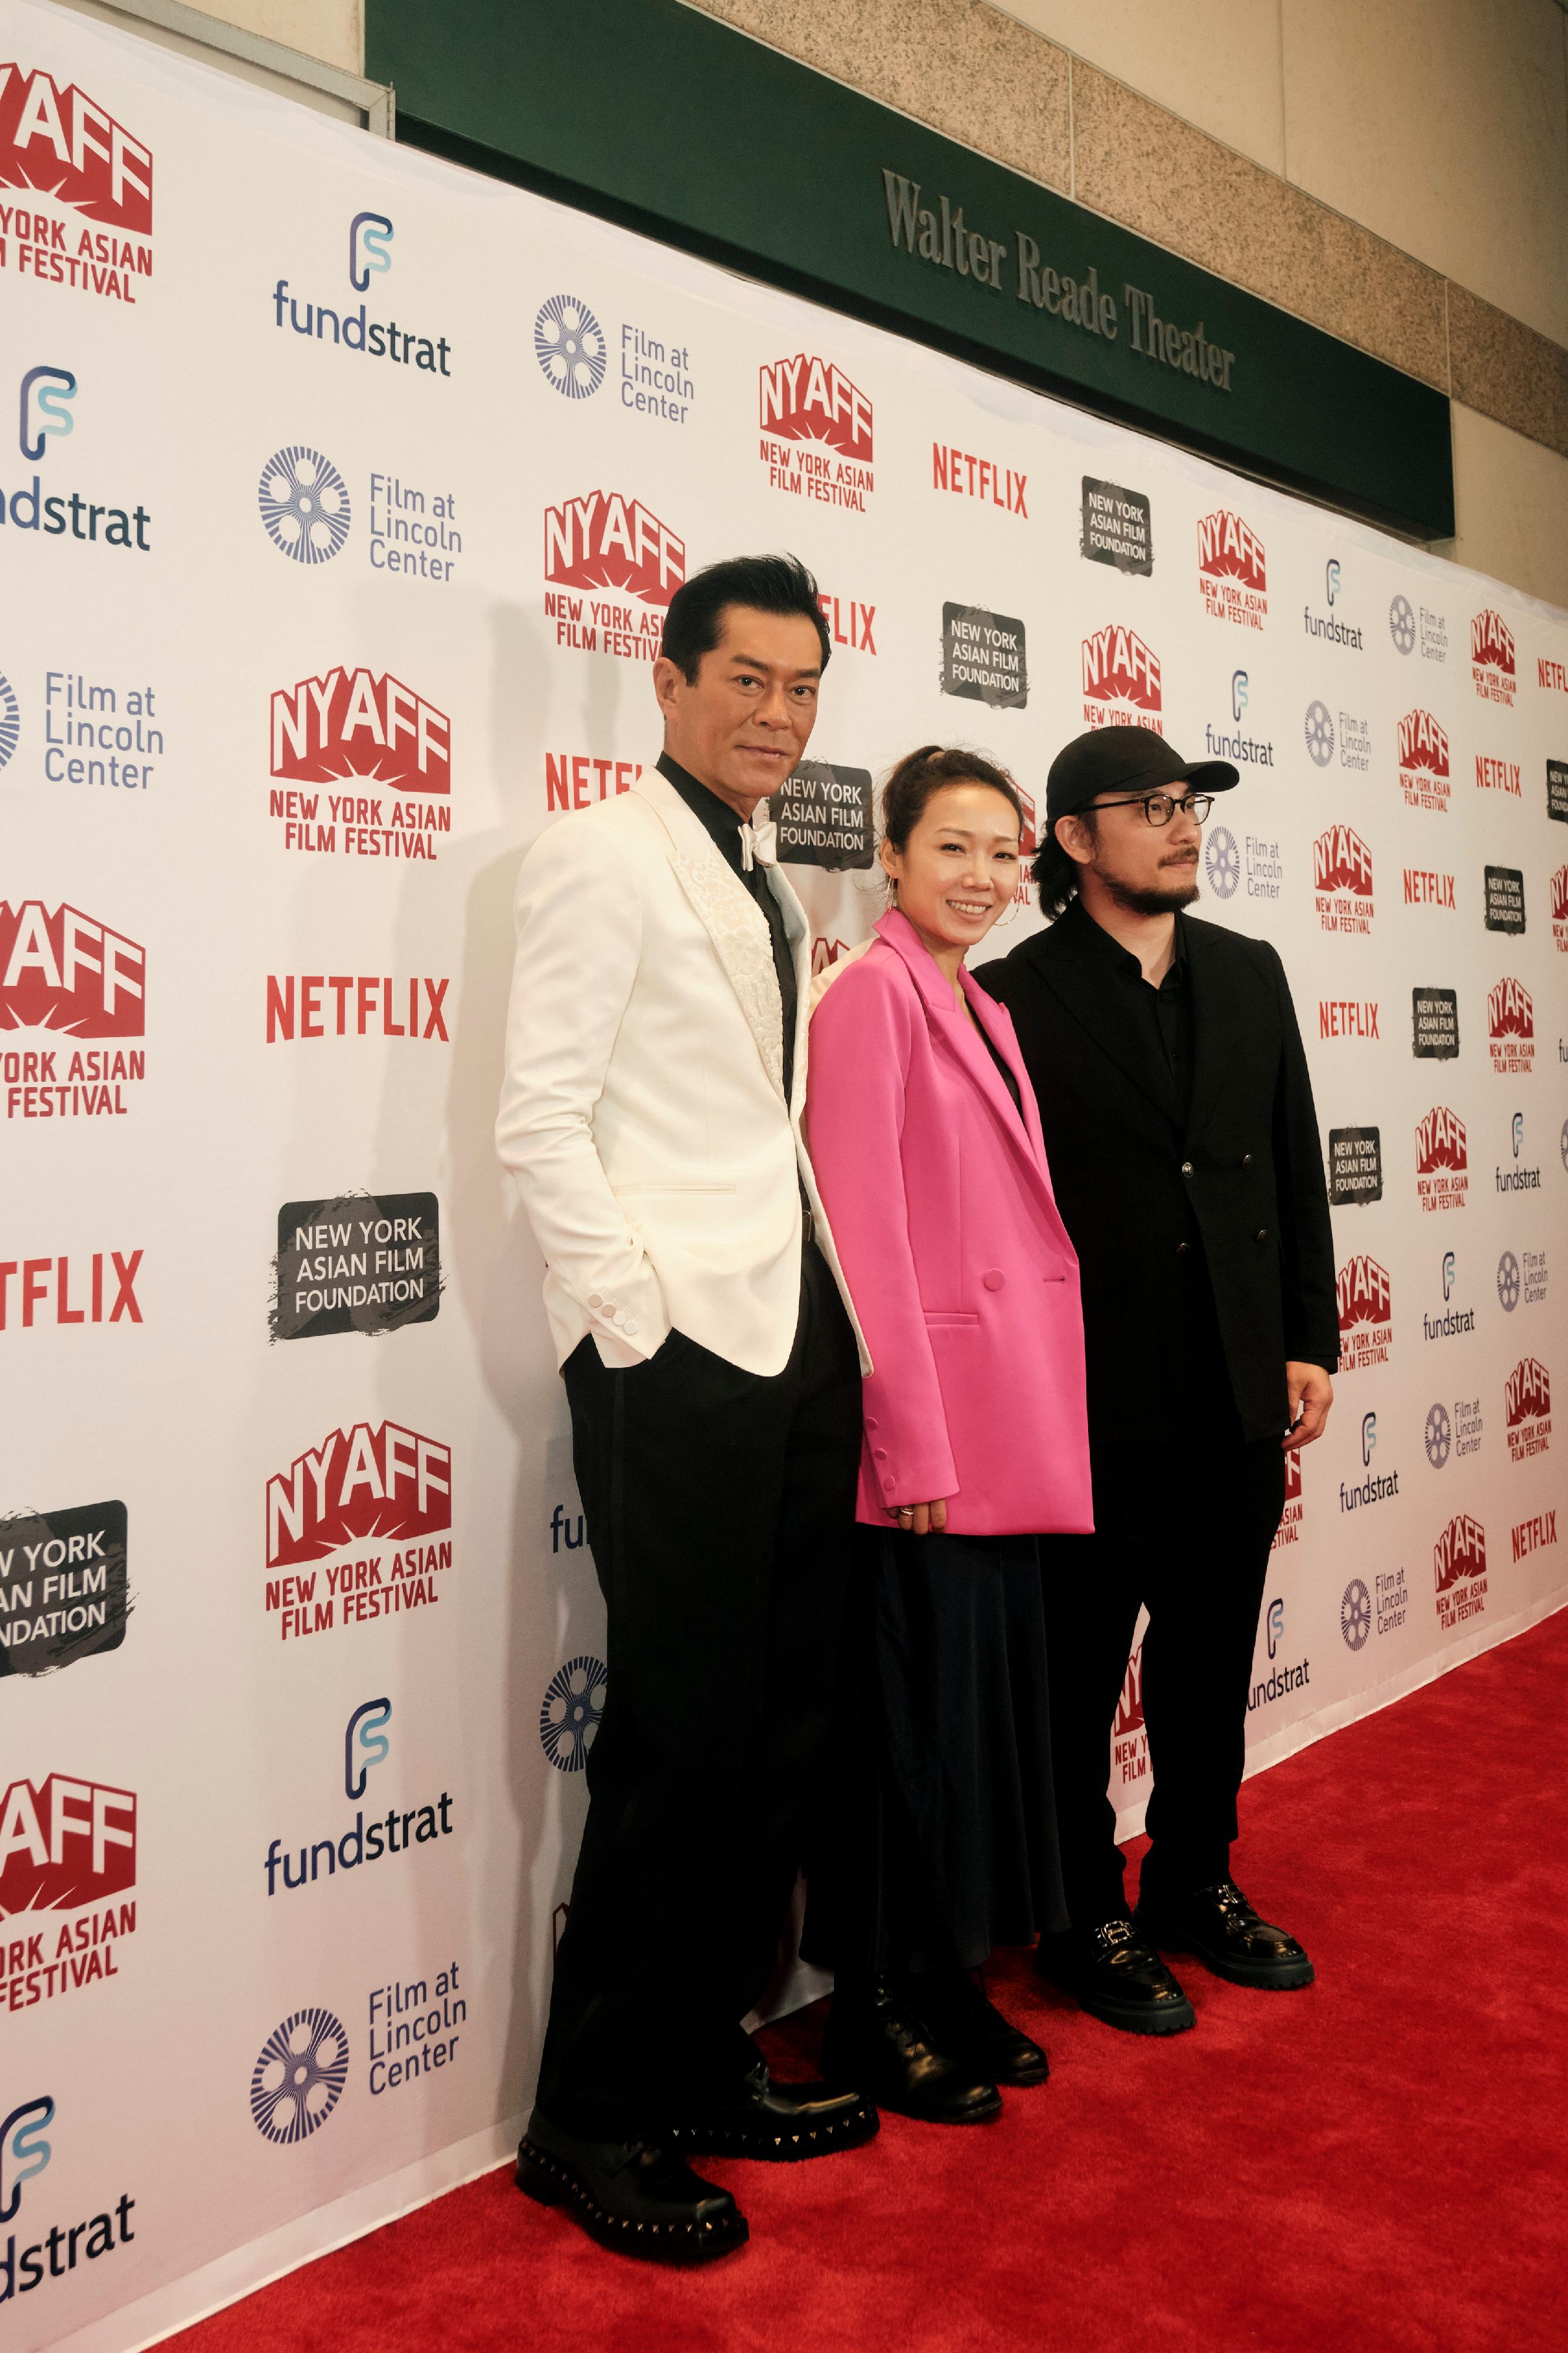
1160	899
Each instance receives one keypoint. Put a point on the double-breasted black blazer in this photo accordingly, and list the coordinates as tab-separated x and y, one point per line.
1131	1176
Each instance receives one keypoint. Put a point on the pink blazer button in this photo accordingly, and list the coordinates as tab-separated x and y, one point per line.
994	1279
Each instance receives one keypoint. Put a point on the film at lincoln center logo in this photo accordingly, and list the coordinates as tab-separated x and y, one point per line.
816	431
298	2076
304	504
1424	777
1231	574
1367	1315
1121	681
62	151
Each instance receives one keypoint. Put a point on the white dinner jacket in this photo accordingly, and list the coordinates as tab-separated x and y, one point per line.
643	1110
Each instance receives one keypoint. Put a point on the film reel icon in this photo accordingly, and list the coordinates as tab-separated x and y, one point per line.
569	344
304	505
1402	624
1355	1615
1320	730
573	1704
298	2076
1222	862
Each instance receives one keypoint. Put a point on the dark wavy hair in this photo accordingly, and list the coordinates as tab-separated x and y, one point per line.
919	774
1054	873
766	584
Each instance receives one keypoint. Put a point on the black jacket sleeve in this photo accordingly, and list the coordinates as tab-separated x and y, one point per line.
1306	1234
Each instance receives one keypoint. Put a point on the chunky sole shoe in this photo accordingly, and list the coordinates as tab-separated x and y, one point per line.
550	2182
750	2137
1128	2016
1283	1974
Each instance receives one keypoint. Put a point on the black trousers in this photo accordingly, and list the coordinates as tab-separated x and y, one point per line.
719	1508
1185	1531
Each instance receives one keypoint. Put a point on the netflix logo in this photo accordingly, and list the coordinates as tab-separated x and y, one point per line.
1423	888
816	437
575	780
382	1493
1341	878
1492	658
1121	682
1551	674
365	1005
1340	1017
351	725
1442	1160
1531	1534
1498	776
104	1287
1232	577
965	476
1366	1316
64	976
617	547
1459	1570
1424	778
1527	1409
849	622
1511	1029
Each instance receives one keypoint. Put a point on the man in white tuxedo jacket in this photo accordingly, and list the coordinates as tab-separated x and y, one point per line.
651	1114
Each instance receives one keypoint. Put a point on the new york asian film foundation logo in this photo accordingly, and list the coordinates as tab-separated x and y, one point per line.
617	546
1493	661
1232	570
1366	1315
1442	1160
63	1592
67	1862
304	504
1527	1409
1459	1571
816	431
1342	881
1122	685
86	219
367	1263
1511	1029
72	990
368	1516
350	727
1424	772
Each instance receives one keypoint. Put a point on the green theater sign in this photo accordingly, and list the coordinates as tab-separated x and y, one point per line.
651	113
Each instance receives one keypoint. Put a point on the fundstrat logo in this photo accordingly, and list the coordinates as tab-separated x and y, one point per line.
1527	1409
1424	777
59	147
1511	1028
1491	657
815	432
388	1487
66	1847
1121	686
367	1745
1231	570
350	726
66	977
608	542
1341	878
1366	1315
1442	1160
1459	1569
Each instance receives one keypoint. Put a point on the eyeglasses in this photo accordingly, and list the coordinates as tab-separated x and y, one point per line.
1159	808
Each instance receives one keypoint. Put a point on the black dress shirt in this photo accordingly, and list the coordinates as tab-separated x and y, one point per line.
724	827
1166	1012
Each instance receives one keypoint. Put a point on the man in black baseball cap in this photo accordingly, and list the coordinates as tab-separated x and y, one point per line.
1183	1148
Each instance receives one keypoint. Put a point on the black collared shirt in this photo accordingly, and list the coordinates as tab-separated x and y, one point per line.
725	829
1164	1014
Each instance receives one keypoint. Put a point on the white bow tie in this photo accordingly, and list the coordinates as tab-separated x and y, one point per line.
759	845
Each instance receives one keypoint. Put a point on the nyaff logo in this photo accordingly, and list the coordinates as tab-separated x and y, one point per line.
65	1843
1341	876
1231	572
1491	657
1560	909
1442	1160
613	544
1527	1409
64	976
351	725
816	431
1366	1326
1129	1737
1459	1569
1510	1026
1121	682
1424	777
1288	1532
62	148
386	1489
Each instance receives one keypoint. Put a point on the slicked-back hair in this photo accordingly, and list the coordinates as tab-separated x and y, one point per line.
766	584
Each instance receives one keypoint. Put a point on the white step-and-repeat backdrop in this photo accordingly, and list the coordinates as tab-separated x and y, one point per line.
345	498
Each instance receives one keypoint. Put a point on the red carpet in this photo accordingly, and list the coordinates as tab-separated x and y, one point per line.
1375	2164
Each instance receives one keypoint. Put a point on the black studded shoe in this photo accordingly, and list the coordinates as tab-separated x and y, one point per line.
779	2123
970	2028
875	2039
1114	1973
1222	1928
638	2197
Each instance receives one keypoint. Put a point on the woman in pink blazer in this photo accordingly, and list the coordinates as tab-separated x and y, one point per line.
926	1142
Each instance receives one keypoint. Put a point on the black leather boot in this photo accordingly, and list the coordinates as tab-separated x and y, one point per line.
777	2121
1221	1927
638	2197
1114	1973
877	2040
969	2028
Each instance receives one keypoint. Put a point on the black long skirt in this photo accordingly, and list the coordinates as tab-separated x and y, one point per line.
938	1839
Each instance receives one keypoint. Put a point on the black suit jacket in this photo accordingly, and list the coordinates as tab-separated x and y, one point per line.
1132	1182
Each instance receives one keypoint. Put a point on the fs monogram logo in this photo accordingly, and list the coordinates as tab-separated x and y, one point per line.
23	2151
365	1743
47	392
370	234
